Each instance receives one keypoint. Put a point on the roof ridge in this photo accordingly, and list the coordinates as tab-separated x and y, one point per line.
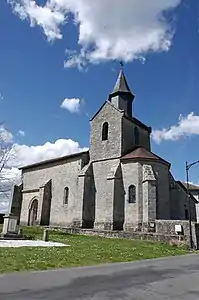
43	162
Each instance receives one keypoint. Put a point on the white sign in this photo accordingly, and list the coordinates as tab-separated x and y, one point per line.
178	228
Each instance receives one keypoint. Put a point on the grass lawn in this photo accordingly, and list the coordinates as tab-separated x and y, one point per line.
84	250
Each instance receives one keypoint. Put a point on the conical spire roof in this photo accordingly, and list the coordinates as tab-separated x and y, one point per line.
121	96
121	84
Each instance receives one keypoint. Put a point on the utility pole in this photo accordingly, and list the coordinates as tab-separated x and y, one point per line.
188	166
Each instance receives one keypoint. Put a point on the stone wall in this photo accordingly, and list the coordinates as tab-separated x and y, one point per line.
168	227
131	176
110	148
120	134
88	190
128	139
161	171
149	186
165	232
45	196
121	102
156	237
26	204
104	178
119	200
62	174
180	204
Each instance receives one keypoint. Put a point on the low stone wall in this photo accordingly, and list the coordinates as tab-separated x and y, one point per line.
168	227
159	237
160	231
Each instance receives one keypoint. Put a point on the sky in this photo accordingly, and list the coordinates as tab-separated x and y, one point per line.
59	60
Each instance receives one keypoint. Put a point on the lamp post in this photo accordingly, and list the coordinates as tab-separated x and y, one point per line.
188	166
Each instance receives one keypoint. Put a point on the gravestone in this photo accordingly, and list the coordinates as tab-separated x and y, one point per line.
9	226
10	222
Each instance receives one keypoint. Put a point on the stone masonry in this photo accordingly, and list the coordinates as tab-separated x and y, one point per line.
119	184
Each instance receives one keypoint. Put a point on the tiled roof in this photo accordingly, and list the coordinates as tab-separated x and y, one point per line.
44	162
142	153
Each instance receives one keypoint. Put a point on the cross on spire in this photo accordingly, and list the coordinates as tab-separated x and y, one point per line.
121	64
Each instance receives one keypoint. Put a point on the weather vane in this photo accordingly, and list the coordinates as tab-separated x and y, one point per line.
121	64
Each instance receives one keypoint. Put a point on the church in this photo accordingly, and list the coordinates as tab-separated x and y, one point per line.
119	184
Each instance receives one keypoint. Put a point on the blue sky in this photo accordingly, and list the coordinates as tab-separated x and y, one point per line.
163	74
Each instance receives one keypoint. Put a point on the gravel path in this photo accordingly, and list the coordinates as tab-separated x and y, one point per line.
27	243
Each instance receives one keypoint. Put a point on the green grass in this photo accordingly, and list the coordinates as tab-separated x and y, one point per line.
84	250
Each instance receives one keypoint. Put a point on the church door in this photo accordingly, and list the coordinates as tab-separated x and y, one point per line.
33	213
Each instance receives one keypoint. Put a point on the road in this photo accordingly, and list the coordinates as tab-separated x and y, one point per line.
158	279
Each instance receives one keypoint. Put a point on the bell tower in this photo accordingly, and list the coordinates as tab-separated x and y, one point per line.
113	130
121	96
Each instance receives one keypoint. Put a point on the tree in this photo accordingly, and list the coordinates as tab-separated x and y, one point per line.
6	155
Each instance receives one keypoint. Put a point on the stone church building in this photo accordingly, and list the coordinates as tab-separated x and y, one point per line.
119	184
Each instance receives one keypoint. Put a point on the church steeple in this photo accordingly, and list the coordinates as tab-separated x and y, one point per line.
121	96
121	84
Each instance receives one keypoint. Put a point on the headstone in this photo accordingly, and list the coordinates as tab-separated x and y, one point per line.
9	225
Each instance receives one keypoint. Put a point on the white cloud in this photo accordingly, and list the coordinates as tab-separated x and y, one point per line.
25	155
8	177
21	133
3	204
186	126
46	17
72	105
75	59
31	154
5	135
107	30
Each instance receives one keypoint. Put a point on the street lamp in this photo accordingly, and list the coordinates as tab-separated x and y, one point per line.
188	166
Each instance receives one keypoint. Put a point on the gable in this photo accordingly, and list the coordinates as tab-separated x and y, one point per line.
106	106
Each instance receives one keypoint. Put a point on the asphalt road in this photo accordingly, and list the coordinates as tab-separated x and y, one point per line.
158	279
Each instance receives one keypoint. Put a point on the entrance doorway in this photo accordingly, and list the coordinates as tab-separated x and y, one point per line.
33	213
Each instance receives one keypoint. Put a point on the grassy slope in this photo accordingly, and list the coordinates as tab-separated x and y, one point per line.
84	250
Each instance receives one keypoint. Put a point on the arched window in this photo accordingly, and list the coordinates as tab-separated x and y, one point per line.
66	193
105	132
137	136
132	194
